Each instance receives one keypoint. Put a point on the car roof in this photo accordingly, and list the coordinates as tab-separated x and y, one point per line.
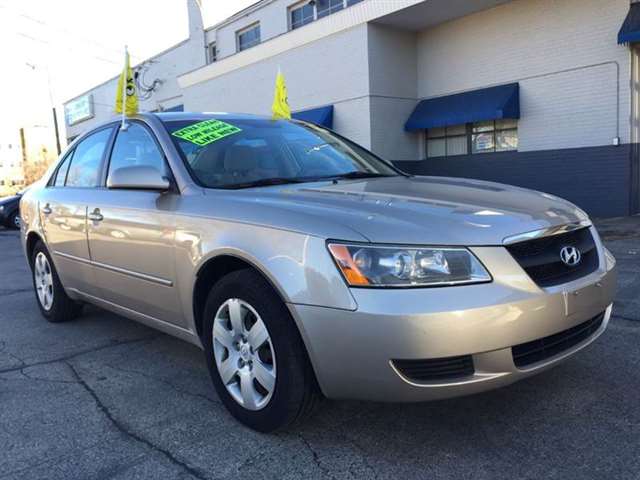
182	116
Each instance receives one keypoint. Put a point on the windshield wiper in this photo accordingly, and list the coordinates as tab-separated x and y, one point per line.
356	175
264	182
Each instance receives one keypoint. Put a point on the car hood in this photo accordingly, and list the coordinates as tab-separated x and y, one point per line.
424	210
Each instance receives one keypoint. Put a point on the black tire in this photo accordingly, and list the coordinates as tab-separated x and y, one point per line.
11	223
62	308
296	392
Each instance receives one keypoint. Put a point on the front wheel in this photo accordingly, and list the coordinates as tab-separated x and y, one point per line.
53	301
255	355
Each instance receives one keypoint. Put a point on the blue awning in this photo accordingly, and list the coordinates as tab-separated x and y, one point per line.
630	31
322	116
479	105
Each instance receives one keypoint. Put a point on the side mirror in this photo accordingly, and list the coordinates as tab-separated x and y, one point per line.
139	177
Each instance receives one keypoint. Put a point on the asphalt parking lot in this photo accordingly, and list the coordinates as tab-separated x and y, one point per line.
104	397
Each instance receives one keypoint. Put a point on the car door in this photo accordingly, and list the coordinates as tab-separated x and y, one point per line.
131	234
63	209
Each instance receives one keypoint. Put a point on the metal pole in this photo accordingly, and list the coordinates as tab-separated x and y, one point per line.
23	145
55	127
124	87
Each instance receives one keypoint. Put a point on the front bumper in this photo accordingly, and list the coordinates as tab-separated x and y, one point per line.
352	352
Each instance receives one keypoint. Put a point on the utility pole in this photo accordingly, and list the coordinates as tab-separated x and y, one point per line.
23	145
55	127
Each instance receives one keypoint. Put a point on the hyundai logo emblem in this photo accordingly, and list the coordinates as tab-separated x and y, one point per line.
570	256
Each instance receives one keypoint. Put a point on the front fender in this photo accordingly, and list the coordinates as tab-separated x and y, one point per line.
31	223
297	265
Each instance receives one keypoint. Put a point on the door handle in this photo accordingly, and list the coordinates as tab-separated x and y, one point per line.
96	216
47	209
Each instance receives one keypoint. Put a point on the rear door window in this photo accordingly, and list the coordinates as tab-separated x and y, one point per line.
87	160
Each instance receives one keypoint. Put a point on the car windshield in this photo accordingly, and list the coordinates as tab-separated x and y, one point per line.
242	153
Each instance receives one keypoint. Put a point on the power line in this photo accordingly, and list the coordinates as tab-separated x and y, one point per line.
65	31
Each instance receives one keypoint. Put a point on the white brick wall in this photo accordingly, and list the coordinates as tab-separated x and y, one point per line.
393	89
536	42
333	70
273	22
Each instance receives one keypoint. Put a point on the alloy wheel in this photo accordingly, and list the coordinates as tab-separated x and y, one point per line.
244	354
43	280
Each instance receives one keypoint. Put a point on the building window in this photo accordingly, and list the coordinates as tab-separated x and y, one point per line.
494	136
212	53
446	142
327	7
248	37
307	11
300	15
474	138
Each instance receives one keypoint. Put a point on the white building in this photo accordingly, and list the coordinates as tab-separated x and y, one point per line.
537	93
11	175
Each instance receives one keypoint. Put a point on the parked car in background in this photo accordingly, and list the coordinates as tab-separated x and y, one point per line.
305	266
10	211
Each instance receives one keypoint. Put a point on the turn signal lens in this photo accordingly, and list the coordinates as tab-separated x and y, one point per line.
347	265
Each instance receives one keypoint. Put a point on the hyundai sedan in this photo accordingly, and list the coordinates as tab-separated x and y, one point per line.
306	267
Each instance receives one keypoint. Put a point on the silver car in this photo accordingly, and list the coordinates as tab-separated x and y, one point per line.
306	267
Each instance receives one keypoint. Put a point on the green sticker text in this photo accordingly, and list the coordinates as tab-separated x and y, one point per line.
206	132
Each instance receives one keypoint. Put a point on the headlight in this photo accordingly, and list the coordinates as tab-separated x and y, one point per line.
1	208
384	266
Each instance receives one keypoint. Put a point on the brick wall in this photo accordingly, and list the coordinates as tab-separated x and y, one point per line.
574	77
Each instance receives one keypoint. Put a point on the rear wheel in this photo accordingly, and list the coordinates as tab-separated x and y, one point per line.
53	301
255	355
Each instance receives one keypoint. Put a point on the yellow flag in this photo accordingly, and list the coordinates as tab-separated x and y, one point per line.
280	107
126	86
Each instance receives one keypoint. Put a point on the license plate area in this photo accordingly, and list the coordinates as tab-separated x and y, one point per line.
585	299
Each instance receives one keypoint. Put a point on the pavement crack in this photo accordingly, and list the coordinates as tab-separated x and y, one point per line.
316	457
173	386
71	356
45	380
124	430
14	291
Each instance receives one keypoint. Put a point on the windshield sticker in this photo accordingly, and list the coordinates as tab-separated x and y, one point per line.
204	133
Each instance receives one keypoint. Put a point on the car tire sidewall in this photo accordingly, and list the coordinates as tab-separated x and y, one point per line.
287	393
59	311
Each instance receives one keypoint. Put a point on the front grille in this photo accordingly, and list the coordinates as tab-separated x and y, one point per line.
540	257
436	369
539	350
